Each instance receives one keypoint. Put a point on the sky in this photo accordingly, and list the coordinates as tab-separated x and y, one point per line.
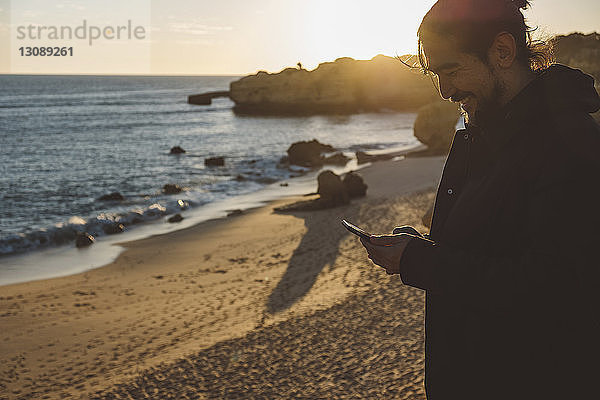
236	37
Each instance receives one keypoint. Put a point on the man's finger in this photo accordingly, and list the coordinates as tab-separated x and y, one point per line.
384	240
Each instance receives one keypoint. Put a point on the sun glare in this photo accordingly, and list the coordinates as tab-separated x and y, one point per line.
358	30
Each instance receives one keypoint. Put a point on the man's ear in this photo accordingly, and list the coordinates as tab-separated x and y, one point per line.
503	51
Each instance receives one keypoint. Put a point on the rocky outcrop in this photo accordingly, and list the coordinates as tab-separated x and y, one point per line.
205	99
171	188
435	126
175	218
214	162
343	86
177	150
307	153
84	239
114	196
113	229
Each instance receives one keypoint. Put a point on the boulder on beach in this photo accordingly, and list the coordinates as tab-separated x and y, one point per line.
176	150
332	192
354	185
114	196
435	126
214	162
307	153
331	189
84	239
112	229
170	188
175	218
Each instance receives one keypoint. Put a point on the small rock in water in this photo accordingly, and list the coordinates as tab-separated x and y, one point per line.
84	239
362	157
233	213
177	150
113	229
240	178
170	188
175	218
336	159
307	153
214	162
114	196
284	184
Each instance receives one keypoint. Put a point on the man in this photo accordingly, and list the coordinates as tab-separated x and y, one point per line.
511	265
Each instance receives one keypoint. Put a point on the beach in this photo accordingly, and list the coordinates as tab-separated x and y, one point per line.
260	305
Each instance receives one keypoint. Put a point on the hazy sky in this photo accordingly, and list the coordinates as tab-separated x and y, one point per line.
243	36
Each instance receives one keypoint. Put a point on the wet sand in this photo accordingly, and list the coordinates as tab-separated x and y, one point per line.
262	305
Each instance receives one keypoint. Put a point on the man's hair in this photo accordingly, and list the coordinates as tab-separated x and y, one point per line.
474	24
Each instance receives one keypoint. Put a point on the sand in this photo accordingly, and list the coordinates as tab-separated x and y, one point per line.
262	305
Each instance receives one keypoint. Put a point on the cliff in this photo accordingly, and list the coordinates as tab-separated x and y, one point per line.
343	86
382	83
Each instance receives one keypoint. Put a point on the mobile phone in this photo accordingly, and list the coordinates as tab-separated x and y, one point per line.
356	230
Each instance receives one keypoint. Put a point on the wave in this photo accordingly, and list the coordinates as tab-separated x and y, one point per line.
100	225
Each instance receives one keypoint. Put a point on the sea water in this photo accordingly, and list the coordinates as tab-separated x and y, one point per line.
65	141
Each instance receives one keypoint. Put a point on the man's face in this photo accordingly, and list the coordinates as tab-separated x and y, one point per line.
464	78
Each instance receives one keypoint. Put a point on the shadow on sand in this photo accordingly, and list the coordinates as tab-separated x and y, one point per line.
318	248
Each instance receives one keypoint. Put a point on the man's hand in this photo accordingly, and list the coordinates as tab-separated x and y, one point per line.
386	250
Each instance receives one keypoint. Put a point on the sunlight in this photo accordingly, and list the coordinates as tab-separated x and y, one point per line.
351	29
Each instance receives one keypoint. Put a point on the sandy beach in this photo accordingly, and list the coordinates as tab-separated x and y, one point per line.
261	305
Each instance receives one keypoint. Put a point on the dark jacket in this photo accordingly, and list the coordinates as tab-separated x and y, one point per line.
512	270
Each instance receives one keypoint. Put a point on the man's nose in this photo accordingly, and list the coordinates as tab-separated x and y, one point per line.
446	89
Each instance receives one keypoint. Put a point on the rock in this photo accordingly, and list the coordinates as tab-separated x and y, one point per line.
363	158
331	189
84	239
342	86
214	162
114	196
175	218
233	213
176	150
170	188
435	126
266	180
112	229
336	159
354	185
307	153
205	99
240	178
284	184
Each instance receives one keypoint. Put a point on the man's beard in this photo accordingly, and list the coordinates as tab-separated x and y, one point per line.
488	108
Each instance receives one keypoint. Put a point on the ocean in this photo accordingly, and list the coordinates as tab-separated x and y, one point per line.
65	141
